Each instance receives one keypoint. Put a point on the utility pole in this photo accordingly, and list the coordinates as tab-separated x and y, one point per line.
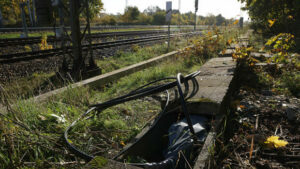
196	10
179	8
78	62
126	4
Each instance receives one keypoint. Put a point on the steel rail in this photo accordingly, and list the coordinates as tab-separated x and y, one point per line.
50	39
25	56
107	27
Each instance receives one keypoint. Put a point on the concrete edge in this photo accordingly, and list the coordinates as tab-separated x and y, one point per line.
105	78
204	156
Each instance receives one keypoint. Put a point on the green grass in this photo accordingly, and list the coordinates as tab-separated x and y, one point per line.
25	86
119	123
31	85
136	55
17	35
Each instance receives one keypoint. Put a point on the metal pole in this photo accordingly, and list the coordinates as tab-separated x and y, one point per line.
33	13
78	64
168	19
179	7
195	20
169	36
0	19
196	9
61	20
24	20
29	12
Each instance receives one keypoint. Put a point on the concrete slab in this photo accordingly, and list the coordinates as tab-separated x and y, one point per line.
228	52
214	80
212	98
258	55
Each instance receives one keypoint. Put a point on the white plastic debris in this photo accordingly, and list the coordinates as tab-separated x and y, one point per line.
60	119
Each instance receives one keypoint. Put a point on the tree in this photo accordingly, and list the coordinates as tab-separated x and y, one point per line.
108	20
144	19
283	14
95	7
10	10
210	20
159	18
272	17
220	20
152	10
131	14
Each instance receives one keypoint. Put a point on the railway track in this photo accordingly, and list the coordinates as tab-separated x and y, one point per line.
26	56
43	29
51	39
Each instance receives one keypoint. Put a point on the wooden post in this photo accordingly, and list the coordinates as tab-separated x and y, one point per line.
78	64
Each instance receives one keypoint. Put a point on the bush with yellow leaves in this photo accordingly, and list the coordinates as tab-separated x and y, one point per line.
44	44
242	54
280	45
206	46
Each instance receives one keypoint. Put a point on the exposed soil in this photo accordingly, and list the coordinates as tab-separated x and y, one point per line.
259	112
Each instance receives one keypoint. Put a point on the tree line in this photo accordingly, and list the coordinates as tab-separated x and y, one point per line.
156	16
11	14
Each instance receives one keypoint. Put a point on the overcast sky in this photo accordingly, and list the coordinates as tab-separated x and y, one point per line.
228	8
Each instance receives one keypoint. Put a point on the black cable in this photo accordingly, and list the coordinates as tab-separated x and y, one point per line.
135	94
183	104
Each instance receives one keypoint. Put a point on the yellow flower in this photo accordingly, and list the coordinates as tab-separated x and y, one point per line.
273	141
